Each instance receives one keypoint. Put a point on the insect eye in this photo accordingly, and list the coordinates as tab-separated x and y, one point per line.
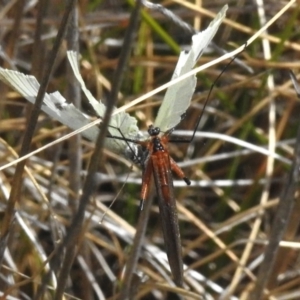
153	130
157	130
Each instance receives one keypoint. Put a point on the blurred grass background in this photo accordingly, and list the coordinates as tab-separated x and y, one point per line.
226	216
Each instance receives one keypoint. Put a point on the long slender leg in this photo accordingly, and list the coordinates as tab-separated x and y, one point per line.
146	180
178	171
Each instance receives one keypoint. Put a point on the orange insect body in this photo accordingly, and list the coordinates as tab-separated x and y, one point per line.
159	159
161	165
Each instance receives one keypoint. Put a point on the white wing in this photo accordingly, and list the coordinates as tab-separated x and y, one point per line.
98	106
56	106
178	97
122	120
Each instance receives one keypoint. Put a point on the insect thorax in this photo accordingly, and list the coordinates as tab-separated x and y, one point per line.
157	144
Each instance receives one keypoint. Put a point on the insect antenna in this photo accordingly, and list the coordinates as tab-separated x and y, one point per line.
204	106
122	137
137	157
114	200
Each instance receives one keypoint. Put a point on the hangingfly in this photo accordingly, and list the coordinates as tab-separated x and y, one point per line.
160	165
154	158
157	161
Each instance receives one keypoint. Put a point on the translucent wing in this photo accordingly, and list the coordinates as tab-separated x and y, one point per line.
98	106
54	104
178	97
122	120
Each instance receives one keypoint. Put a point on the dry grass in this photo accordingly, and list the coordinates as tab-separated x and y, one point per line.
241	196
